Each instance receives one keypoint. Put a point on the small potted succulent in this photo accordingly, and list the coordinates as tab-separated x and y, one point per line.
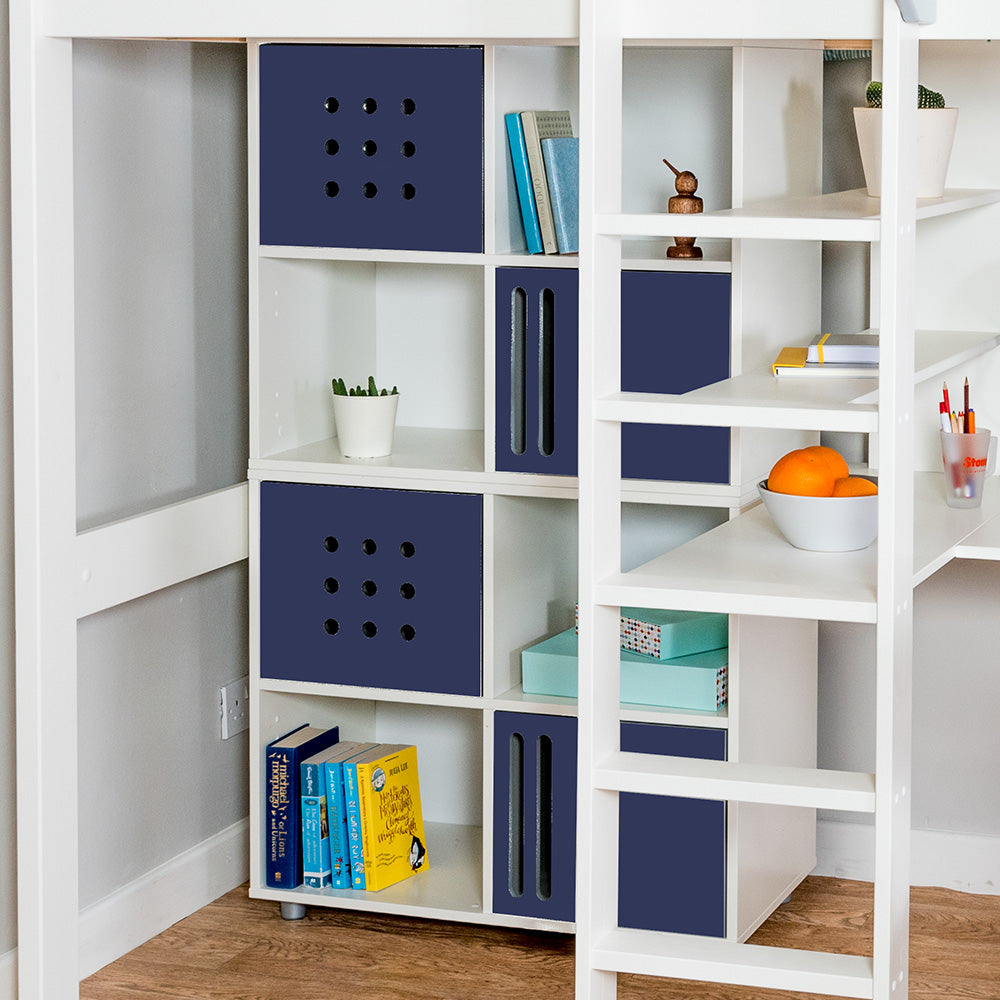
935	134
366	418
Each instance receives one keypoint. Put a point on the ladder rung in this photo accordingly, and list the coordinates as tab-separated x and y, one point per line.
685	956
652	774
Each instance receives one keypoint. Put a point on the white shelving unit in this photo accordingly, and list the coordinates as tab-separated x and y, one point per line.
763	227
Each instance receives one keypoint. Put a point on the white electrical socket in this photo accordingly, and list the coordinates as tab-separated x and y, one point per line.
234	707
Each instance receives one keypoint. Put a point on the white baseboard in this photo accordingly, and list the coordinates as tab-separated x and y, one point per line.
142	909
8	975
965	862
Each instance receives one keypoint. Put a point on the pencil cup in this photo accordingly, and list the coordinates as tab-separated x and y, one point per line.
967	459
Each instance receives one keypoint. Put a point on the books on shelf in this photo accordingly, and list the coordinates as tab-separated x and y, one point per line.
382	790
321	843
562	170
340	858
282	762
844	348
792	362
522	181
535	127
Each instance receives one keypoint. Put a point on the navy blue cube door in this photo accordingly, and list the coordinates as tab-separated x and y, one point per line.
534	802
675	338
672	857
537	349
371	587
371	146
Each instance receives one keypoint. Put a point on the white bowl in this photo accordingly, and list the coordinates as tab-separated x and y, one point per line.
823	524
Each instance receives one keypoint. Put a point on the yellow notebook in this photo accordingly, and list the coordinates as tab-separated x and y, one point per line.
790	357
392	825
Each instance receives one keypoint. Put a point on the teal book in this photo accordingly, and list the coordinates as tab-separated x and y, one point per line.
317	868
339	845
522	181
562	170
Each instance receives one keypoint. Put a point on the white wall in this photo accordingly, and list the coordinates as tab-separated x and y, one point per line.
160	147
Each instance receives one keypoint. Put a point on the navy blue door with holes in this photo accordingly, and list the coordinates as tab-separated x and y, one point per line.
537	348
672	858
371	587
675	338
371	146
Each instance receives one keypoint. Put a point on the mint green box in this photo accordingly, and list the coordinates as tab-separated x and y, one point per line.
667	634
697	681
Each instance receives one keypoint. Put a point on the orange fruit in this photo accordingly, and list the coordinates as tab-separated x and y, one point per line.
854	486
802	472
838	466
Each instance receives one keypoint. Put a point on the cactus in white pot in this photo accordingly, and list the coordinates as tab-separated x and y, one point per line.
365	417
935	135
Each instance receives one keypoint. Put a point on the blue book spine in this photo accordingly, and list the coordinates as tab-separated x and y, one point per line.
340	862
522	178
315	826
352	808
283	807
562	168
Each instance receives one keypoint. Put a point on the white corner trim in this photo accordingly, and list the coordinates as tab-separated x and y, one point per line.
960	861
115	925
8	975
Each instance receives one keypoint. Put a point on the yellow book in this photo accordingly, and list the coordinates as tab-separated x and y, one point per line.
392	825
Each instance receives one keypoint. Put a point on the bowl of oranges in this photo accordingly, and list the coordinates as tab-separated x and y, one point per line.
817	504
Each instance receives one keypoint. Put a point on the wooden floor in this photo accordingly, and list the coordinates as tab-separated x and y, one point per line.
240	949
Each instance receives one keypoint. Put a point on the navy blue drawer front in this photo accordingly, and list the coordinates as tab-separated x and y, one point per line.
371	587
672	863
675	338
371	146
534	803
537	324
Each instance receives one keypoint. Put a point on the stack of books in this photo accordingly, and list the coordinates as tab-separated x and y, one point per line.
545	156
345	815
831	355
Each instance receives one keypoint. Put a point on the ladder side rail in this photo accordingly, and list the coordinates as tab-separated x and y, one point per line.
894	628
599	489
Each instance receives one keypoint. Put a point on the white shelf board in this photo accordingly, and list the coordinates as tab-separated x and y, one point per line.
807	403
687	956
355	693
941	531
746	566
374	256
810	788
455	453
515	700
845	215
450	889
752	401
983	543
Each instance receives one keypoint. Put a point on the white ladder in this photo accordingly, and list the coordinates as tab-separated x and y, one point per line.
603	949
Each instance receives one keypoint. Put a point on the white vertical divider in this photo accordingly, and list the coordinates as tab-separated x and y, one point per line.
44	506
894	631
599	485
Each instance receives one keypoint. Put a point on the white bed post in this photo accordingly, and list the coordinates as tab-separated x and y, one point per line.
44	506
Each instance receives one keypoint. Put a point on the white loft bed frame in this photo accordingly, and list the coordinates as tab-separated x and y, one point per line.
50	600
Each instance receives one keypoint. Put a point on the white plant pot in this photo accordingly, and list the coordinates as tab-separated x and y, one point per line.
365	424
935	134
